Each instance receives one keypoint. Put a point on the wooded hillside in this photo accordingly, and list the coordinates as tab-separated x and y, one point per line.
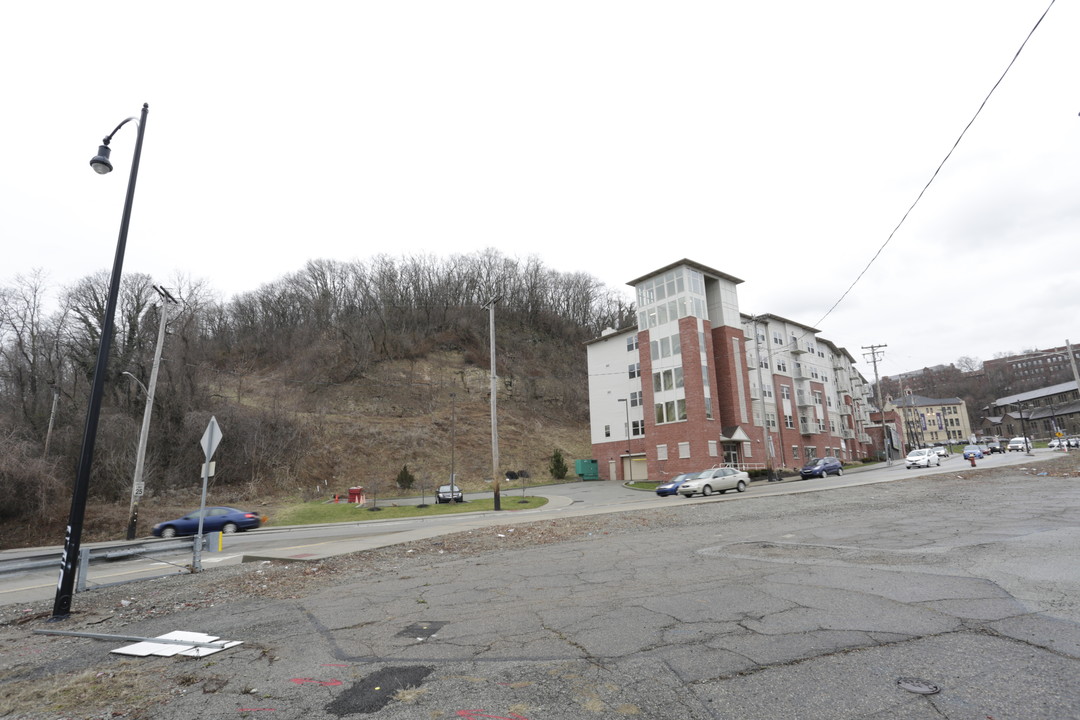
337	375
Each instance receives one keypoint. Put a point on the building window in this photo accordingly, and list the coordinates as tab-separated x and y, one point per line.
811	453
708	408
789	422
634	370
785	392
631	343
661	452
777	338
607	431
637	428
763	362
781	365
635	398
712	448
794	452
684	450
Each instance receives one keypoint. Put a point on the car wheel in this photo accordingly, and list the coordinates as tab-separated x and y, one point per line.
169	532
740	487
707	490
228	528
840	472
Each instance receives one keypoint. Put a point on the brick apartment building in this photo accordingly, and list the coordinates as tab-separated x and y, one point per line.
696	384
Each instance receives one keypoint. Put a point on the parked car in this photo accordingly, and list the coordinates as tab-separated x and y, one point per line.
995	447
447	494
821	467
217	519
719	479
942	451
1056	443
672	487
973	451
1073	442
923	457
1019	444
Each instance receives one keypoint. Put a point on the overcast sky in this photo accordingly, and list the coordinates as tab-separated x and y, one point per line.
777	142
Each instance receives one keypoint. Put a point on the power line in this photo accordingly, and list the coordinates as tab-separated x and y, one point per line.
940	165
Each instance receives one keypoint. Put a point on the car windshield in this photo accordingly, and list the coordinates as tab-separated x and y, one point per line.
446	488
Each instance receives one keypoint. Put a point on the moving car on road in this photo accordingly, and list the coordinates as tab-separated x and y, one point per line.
719	479
923	457
821	467
217	519
1019	444
973	451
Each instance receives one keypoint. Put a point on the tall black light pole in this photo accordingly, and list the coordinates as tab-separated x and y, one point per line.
72	539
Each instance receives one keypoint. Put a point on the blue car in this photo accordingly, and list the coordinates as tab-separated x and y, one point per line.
217	519
973	451
672	488
821	467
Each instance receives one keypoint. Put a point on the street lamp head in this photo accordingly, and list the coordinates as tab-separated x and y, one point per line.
100	162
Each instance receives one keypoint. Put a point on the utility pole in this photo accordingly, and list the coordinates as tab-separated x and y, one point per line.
873	357
52	417
494	418
137	484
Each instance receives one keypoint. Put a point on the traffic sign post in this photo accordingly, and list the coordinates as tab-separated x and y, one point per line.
209	442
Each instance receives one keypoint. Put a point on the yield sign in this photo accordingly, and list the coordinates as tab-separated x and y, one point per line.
211	438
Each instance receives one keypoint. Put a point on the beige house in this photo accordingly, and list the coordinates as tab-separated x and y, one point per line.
928	421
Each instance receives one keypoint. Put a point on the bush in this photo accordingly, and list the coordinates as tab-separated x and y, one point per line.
557	467
405	478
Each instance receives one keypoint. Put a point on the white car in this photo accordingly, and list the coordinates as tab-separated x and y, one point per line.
719	479
923	457
942	451
1019	444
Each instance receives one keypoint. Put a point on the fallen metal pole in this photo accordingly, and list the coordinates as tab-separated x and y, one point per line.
223	644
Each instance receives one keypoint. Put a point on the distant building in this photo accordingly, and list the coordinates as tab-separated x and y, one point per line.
929	421
696	383
1040	413
1030	371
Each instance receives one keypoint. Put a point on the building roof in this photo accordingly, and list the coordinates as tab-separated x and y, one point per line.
704	269
921	401
1035	394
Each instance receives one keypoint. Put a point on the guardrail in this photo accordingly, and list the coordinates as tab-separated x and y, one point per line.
119	551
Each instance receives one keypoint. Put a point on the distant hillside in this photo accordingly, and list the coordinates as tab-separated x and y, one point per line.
335	376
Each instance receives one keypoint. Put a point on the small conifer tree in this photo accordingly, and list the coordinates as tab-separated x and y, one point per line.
405	478
557	467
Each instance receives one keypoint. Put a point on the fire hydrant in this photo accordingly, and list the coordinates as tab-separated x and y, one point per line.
972	459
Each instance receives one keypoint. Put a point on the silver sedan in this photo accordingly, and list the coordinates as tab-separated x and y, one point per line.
719	479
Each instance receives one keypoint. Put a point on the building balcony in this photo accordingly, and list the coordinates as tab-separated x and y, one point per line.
847	434
808	429
845	409
864	438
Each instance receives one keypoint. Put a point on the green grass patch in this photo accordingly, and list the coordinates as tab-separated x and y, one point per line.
643	485
318	512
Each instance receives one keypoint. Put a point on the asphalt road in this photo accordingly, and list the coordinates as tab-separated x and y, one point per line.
565	500
845	604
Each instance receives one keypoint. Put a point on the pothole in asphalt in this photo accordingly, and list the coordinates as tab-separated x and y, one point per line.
376	690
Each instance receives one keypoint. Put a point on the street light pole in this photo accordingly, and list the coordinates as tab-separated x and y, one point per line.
72	540
140	455
494	417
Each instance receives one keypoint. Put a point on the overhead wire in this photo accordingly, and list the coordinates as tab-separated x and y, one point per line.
939	167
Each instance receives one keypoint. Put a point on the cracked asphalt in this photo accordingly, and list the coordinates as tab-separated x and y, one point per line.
799	607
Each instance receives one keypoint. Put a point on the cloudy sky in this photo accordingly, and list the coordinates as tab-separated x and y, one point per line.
778	142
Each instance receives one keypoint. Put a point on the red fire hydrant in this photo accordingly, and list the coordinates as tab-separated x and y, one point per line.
972	459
